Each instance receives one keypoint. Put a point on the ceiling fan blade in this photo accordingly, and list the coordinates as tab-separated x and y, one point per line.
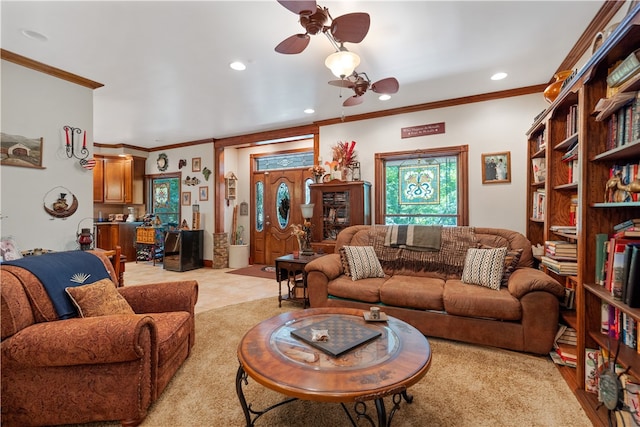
353	100
294	44
352	27
300	7
388	85
342	83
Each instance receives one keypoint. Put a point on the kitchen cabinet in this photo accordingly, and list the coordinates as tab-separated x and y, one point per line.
118	180
123	234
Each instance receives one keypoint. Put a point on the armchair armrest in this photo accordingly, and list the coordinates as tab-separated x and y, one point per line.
162	297
527	279
330	265
80	341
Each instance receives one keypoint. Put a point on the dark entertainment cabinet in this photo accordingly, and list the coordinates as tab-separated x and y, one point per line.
183	250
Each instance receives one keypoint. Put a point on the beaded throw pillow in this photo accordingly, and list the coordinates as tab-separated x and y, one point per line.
484	267
98	299
363	262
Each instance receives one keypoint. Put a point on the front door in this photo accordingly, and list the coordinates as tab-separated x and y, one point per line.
283	193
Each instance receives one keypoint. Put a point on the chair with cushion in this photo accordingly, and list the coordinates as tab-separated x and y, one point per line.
109	360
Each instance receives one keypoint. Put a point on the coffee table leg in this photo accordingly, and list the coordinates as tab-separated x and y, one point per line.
241	377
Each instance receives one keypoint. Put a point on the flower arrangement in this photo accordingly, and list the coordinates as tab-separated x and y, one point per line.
333	166
317	170
344	153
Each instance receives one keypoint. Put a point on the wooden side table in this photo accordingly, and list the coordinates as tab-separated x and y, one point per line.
291	271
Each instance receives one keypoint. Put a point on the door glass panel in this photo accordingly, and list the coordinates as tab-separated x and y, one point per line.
165	196
259	206
307	190
283	202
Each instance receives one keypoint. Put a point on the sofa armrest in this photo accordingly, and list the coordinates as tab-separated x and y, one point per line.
162	297
80	341
526	279
329	265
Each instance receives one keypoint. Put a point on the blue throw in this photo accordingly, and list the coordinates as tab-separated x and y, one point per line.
59	270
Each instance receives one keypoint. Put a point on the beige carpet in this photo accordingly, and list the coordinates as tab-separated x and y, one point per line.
466	386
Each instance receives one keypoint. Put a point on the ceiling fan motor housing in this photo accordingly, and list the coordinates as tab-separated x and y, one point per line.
315	23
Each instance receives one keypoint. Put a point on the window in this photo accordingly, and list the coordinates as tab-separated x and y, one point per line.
165	199
427	187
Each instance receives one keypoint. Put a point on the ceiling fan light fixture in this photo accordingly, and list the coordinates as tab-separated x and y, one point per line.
238	66
384	97
342	63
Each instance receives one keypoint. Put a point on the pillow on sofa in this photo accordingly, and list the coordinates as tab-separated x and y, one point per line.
345	262
363	262
98	299
511	260
484	267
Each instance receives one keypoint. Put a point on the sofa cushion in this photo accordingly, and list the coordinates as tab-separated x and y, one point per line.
367	290
409	291
363	262
484	267
98	299
477	301
173	329
16	310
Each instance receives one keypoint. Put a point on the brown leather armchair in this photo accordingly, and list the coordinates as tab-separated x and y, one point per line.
90	369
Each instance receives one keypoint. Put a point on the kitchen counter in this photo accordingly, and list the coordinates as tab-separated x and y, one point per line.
111	234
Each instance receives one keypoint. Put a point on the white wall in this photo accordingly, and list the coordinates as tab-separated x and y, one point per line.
37	105
486	127
205	152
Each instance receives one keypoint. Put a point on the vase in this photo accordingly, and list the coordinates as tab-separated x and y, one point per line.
337	174
553	90
317	178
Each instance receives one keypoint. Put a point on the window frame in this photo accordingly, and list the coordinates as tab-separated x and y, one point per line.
460	151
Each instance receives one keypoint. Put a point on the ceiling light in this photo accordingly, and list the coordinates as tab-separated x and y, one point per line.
34	35
309	110
342	63
384	97
499	76
238	66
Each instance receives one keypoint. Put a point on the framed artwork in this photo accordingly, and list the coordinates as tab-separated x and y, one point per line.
204	194
196	164
21	151
496	168
186	198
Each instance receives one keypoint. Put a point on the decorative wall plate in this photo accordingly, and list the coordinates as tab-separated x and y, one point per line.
162	162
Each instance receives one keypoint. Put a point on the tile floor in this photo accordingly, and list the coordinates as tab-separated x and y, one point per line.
216	288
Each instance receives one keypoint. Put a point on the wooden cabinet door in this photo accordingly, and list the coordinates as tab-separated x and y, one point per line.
113	181
127	180
107	236
98	181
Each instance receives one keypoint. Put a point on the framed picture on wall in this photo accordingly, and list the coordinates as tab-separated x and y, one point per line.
204	194
186	198
21	151
196	164
496	168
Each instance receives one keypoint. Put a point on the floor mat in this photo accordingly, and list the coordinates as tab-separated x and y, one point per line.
256	270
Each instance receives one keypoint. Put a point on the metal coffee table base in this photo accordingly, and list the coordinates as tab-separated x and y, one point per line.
360	407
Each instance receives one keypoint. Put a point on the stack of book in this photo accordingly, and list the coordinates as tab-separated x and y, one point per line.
628	228
565	268
566	229
539	204
564	346
561	250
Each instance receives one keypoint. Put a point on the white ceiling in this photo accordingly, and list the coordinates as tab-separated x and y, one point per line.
165	64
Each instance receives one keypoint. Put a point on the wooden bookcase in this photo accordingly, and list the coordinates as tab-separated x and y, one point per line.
593	214
338	205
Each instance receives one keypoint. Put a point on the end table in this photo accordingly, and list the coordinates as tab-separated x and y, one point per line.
291	271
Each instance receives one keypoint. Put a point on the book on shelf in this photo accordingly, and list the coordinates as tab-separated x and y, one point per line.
568	229
539	204
630	223
602	241
591	375
625	70
628	233
632	296
572	153
560	267
616	271
623	124
572	120
539	168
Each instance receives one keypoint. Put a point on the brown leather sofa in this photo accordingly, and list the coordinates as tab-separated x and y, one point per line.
90	369
521	316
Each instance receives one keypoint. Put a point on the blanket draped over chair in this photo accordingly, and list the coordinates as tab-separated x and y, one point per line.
73	268
454	243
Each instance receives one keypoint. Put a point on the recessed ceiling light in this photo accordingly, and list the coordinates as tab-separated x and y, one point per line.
309	110
238	66
384	97
34	35
499	76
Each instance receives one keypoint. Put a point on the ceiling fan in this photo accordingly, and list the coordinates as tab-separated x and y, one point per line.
349	28
360	83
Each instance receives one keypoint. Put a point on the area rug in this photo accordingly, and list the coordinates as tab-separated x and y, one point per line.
256	270
466	385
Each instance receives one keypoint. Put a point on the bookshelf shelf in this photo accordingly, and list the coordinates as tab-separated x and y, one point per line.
572	128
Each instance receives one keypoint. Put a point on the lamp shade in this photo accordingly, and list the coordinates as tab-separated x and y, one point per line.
342	63
307	210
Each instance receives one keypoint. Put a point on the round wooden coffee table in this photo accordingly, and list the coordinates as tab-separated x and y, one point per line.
386	365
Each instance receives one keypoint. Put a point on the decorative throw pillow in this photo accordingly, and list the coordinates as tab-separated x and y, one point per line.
9	249
363	262
511	261
345	262
484	267
98	299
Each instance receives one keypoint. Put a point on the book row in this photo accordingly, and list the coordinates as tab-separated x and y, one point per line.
623	126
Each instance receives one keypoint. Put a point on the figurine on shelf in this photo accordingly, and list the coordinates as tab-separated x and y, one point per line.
617	191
